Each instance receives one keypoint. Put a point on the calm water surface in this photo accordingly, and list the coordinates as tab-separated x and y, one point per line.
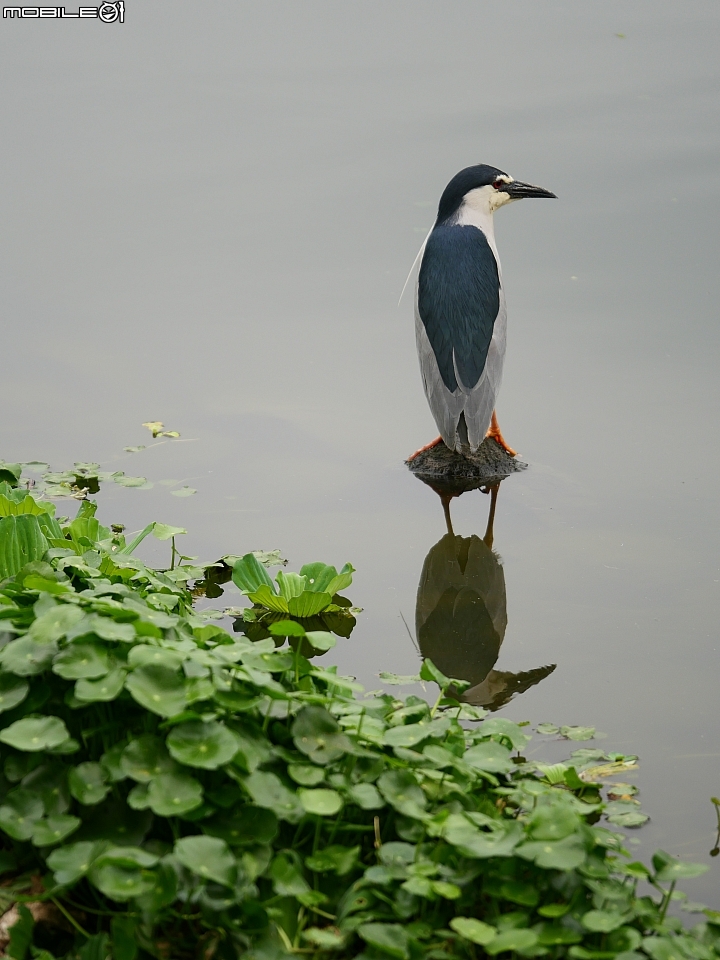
207	216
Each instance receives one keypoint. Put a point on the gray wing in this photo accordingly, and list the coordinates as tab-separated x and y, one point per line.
460	325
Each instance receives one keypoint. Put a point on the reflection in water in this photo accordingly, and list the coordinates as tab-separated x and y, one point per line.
461	612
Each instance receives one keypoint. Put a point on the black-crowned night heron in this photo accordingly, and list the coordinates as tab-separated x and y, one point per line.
460	315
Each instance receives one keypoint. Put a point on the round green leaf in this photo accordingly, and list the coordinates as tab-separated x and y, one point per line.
390	938
157	688
306	774
668	868
144	654
206	745
55	623
324	803
366	796
489	756
35	733
208	857
137	799
72	861
245	824
12	691
87	783
172	794
267	790
122	872
565	854
511	940
54	829
603	921
103	690
81	661
317	734
145	758
474	930
401	790
553	822
26	657
20	812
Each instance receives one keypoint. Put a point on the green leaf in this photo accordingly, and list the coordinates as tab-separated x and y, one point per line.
286	628
206	745
21	542
267	790
25	657
401	790
54	829
145	654
308	604
21	933
320	639
266	597
512	940
87	783
548	728
603	921
55	623
326	938
20	812
287	877
507	730
431	673
81	661
162	531
122	873
578	733
390	938
668	868
12	691
249	574
317	734
324	803
366	796
145	758
553	822
124	938
565	854
173	794
245	824
290	584
334	859
474	930
72	861
184	492
158	689
208	857
305	774
103	690
35	733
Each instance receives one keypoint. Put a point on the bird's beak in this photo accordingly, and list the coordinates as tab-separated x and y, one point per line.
518	190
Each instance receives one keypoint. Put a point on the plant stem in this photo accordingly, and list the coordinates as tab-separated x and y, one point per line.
70	918
666	902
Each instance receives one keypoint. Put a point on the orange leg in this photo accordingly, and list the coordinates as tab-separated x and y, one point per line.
495	434
428	446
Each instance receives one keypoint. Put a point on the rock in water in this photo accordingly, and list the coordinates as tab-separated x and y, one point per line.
450	473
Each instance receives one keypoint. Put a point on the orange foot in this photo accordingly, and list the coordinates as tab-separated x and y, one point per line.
428	446
495	434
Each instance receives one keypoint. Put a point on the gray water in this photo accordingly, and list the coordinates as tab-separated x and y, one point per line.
207	216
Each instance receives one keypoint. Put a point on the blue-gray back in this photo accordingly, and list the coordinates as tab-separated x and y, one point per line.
458	301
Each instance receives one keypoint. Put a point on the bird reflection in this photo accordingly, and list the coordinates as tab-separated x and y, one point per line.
461	611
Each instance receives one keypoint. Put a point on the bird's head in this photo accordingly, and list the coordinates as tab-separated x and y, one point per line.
483	188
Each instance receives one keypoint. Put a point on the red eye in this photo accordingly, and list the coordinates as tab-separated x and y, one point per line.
499	184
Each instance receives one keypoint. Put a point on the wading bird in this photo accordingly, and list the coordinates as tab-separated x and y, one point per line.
460	315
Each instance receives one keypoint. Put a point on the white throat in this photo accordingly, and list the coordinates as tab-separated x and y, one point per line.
477	210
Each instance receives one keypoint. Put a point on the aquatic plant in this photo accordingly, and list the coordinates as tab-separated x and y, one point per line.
173	790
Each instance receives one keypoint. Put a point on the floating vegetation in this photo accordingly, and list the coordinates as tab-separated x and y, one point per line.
170	789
